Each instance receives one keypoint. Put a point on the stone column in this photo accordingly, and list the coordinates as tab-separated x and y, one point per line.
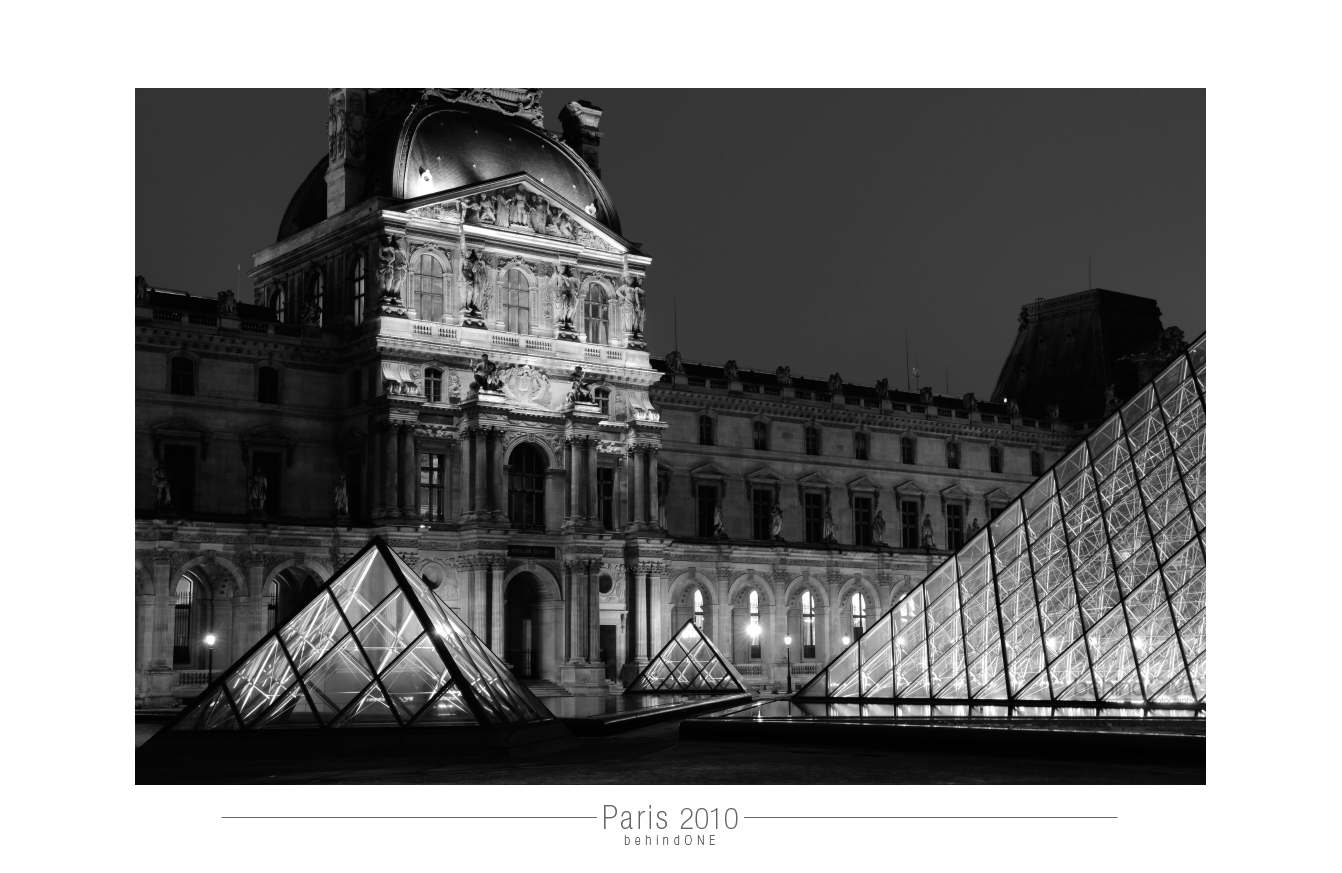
617	495
500	485
479	617
375	474
594	612
221	625
658	610
577	613
409	473
654	507
496	609
571	453
567	630
593	489
391	470
479	471
449	483
144	643
636	456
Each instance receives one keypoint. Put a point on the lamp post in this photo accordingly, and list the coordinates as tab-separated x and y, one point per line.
845	641
787	642
209	644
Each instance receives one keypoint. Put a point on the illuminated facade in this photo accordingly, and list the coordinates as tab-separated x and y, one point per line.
1088	593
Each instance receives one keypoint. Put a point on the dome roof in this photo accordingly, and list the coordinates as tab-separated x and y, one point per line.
441	146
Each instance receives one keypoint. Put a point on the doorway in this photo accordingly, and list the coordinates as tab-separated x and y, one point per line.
608	654
521	626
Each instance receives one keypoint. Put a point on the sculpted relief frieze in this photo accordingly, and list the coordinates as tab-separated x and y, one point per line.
526	385
516	208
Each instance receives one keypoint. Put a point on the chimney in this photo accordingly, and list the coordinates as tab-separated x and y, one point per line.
580	120
345	167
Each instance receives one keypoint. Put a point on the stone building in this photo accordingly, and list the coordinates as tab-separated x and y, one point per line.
447	349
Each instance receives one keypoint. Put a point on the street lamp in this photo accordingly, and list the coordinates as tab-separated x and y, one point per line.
845	641
787	641
209	644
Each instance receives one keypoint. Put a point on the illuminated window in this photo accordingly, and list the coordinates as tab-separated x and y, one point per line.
433	385
426	288
181	636
597	314
272	595
698	608
432	495
807	625
360	290
526	488
603	400
859	615
516	302
755	620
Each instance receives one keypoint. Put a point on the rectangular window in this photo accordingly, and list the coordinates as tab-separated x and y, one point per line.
814	508
605	480
862	521
812	441
180	462
705	430
761	512
268	385
183	377
953	455
432	494
955	526
270	465
908	523
707	500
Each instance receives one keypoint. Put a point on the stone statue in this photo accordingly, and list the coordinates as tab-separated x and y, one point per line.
1024	317
974	526
927	532
882	389
926	395
312	310
674	362
537	212
970	401
783	375
1054	412
341	496
1014	408
453	387
630	298
578	391
1111	402
228	303
162	488
732	371
472	283
835	383
719	530
878	529
391	271
776	522
256	492
487	374
141	290
565	226
565	286
640	312
829	526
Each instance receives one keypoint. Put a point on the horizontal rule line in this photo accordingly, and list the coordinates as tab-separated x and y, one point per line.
810	817
322	817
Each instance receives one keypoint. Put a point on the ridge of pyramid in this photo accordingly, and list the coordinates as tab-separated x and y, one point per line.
375	647
1088	588
689	663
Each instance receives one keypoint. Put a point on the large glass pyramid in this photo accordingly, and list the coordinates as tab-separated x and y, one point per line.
689	663
375	648
1088	591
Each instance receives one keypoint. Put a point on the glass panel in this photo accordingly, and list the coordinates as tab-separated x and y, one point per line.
1072	463
972	553
313	632
256	684
370	711
938	583
416	678
1005	522
878	673
1140	404
292	711
1116	457
388	630
842	670
338	679
1173	379
1071	672
449	708
1045	517
214	711
1104	436
362	586
1039	493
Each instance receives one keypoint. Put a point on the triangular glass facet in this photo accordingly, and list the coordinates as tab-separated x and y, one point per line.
1090	587
689	662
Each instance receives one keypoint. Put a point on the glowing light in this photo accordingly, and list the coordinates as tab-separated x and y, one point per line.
754	630
787	640
209	640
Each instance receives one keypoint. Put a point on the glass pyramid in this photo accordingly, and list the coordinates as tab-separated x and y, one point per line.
689	663
375	648
1090	588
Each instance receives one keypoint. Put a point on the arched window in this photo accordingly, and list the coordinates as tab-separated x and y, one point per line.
317	295
603	400
360	286
755	620
526	487
279	304
995	459
953	455
433	385
272	603
598	315
698	608
859	615
268	385
812	440
705	430
426	288
1036	463
516	302
860	451
183	377
761	434
906	455
181	633
807	625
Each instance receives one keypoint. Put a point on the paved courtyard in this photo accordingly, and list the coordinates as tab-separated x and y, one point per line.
656	755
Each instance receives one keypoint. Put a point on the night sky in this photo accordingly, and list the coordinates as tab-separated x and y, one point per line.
808	228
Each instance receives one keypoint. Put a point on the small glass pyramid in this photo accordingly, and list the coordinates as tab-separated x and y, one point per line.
689	663
375	648
1090	588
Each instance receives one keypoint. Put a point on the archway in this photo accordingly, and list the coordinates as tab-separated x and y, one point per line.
526	487
522	626
292	589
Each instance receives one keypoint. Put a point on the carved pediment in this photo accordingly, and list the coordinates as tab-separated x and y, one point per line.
764	474
180	429
708	471
268	437
862	483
